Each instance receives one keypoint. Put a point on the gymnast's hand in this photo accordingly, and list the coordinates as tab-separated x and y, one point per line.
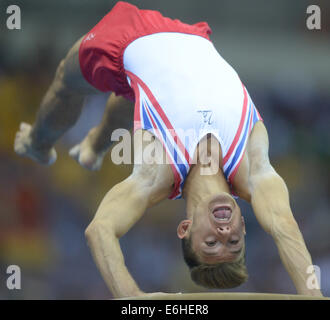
24	147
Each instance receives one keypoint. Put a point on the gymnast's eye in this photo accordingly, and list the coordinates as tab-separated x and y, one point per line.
233	242
210	243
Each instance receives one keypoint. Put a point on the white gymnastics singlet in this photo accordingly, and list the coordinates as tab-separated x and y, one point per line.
181	84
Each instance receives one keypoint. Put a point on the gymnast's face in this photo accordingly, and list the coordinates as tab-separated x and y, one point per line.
217	230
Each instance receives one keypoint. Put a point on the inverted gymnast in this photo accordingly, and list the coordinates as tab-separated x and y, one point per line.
179	83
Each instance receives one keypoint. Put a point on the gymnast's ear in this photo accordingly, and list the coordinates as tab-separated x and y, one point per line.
182	230
243	224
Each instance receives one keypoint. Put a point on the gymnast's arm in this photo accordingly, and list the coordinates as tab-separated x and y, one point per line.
120	209
270	202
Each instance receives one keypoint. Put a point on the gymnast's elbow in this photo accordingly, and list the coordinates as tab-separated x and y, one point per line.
99	231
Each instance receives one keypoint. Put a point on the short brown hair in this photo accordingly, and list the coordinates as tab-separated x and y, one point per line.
223	275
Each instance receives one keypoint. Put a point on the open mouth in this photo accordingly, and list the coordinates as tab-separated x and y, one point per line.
222	213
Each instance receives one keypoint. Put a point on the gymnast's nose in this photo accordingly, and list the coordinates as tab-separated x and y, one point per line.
224	231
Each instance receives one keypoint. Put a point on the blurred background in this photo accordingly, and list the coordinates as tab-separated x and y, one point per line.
44	211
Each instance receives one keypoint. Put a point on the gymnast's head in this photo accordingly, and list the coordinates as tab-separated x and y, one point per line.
213	242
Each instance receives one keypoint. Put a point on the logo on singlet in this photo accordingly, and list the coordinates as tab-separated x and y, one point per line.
90	37
207	115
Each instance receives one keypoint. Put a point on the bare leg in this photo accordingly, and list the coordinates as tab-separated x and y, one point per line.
118	114
59	111
91	151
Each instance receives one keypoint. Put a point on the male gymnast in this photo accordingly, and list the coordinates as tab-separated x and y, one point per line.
179	83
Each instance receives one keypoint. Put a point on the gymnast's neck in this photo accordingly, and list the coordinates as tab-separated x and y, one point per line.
199	186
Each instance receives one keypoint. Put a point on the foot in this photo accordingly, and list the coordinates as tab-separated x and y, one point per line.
23	146
85	154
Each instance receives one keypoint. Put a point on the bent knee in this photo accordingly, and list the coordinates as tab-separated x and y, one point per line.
96	228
